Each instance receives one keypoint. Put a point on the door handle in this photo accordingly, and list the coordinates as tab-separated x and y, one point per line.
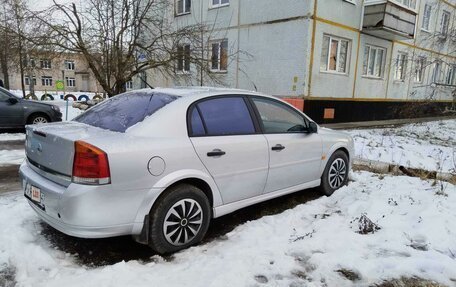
216	152
278	147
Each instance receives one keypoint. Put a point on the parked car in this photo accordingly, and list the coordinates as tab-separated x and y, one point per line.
16	112
160	164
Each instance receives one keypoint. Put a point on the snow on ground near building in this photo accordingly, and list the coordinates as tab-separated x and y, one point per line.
11	137
430	146
8	157
303	246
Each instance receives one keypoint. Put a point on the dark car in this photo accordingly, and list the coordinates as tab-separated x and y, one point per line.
16	112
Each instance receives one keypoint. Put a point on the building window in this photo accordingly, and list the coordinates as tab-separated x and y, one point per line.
436	73
219	3
445	22
334	56
451	75
407	3
426	17
46	81
183	7
129	85
70	82
401	66
45	64
183	59
27	81
374	62
219	55
420	68
69	65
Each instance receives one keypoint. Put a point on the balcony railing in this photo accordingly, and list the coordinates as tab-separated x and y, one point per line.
389	20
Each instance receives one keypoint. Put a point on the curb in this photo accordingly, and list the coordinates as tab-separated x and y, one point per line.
383	167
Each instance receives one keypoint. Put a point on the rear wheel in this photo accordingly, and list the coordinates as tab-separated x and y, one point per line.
38	119
335	174
180	219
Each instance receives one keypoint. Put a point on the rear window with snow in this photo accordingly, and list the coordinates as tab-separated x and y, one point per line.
125	110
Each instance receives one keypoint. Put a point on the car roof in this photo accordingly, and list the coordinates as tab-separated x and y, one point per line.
199	92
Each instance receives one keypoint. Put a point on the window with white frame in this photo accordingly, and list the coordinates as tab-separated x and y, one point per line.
45	64
129	85
374	61
69	65
183	6
401	66
334	54
183	58
437	72
219	3
426	17
407	3
451	75
46	81
219	55
27	81
420	68
70	82
445	22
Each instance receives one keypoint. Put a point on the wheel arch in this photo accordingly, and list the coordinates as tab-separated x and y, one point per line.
339	146
36	113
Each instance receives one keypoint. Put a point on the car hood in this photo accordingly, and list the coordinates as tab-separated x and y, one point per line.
35	104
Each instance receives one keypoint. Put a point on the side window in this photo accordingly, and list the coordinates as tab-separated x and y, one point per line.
223	116
3	97
279	118
197	123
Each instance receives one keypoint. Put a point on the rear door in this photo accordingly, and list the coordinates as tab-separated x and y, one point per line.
295	154
11	115
229	144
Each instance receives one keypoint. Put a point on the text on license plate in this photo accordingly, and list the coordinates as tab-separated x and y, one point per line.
33	192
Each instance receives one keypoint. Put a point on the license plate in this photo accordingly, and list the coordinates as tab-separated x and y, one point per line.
33	192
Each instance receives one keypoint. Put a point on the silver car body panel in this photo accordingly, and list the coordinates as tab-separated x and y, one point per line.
253	173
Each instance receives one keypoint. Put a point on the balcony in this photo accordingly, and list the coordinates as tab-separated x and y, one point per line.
389	20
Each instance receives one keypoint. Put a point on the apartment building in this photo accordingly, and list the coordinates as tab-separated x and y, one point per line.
348	60
43	70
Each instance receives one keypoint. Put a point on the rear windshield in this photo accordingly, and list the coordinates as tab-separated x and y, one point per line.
125	110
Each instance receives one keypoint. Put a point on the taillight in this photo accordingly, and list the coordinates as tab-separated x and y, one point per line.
90	165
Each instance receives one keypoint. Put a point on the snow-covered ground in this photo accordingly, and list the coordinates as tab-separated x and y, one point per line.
8	157
11	137
430	146
309	245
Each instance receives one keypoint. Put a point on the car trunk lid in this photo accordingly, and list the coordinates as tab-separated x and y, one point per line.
50	147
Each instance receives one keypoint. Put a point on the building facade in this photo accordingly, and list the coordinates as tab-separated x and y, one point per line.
42	71
348	60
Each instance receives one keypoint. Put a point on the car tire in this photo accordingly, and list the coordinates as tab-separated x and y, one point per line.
69	96
171	228
335	174
38	119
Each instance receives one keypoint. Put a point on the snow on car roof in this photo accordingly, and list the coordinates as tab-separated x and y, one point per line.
194	90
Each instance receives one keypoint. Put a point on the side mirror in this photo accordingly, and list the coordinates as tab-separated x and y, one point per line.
313	128
12	100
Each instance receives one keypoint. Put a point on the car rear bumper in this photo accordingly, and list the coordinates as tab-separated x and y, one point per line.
81	210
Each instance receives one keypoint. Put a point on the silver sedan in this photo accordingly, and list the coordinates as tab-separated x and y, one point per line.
159	164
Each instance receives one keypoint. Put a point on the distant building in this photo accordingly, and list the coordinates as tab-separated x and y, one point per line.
349	60
44	70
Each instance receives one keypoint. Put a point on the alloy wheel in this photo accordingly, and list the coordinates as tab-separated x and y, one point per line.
39	120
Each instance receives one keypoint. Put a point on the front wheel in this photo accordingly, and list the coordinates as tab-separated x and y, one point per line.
38	119
179	220
335	174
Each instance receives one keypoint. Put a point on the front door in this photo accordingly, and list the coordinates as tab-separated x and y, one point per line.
230	146
11	114
295	154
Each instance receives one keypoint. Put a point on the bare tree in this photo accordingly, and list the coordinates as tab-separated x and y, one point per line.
121	39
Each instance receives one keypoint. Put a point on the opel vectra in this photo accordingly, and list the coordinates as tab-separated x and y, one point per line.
160	164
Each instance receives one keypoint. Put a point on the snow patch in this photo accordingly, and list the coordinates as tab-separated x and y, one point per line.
313	244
